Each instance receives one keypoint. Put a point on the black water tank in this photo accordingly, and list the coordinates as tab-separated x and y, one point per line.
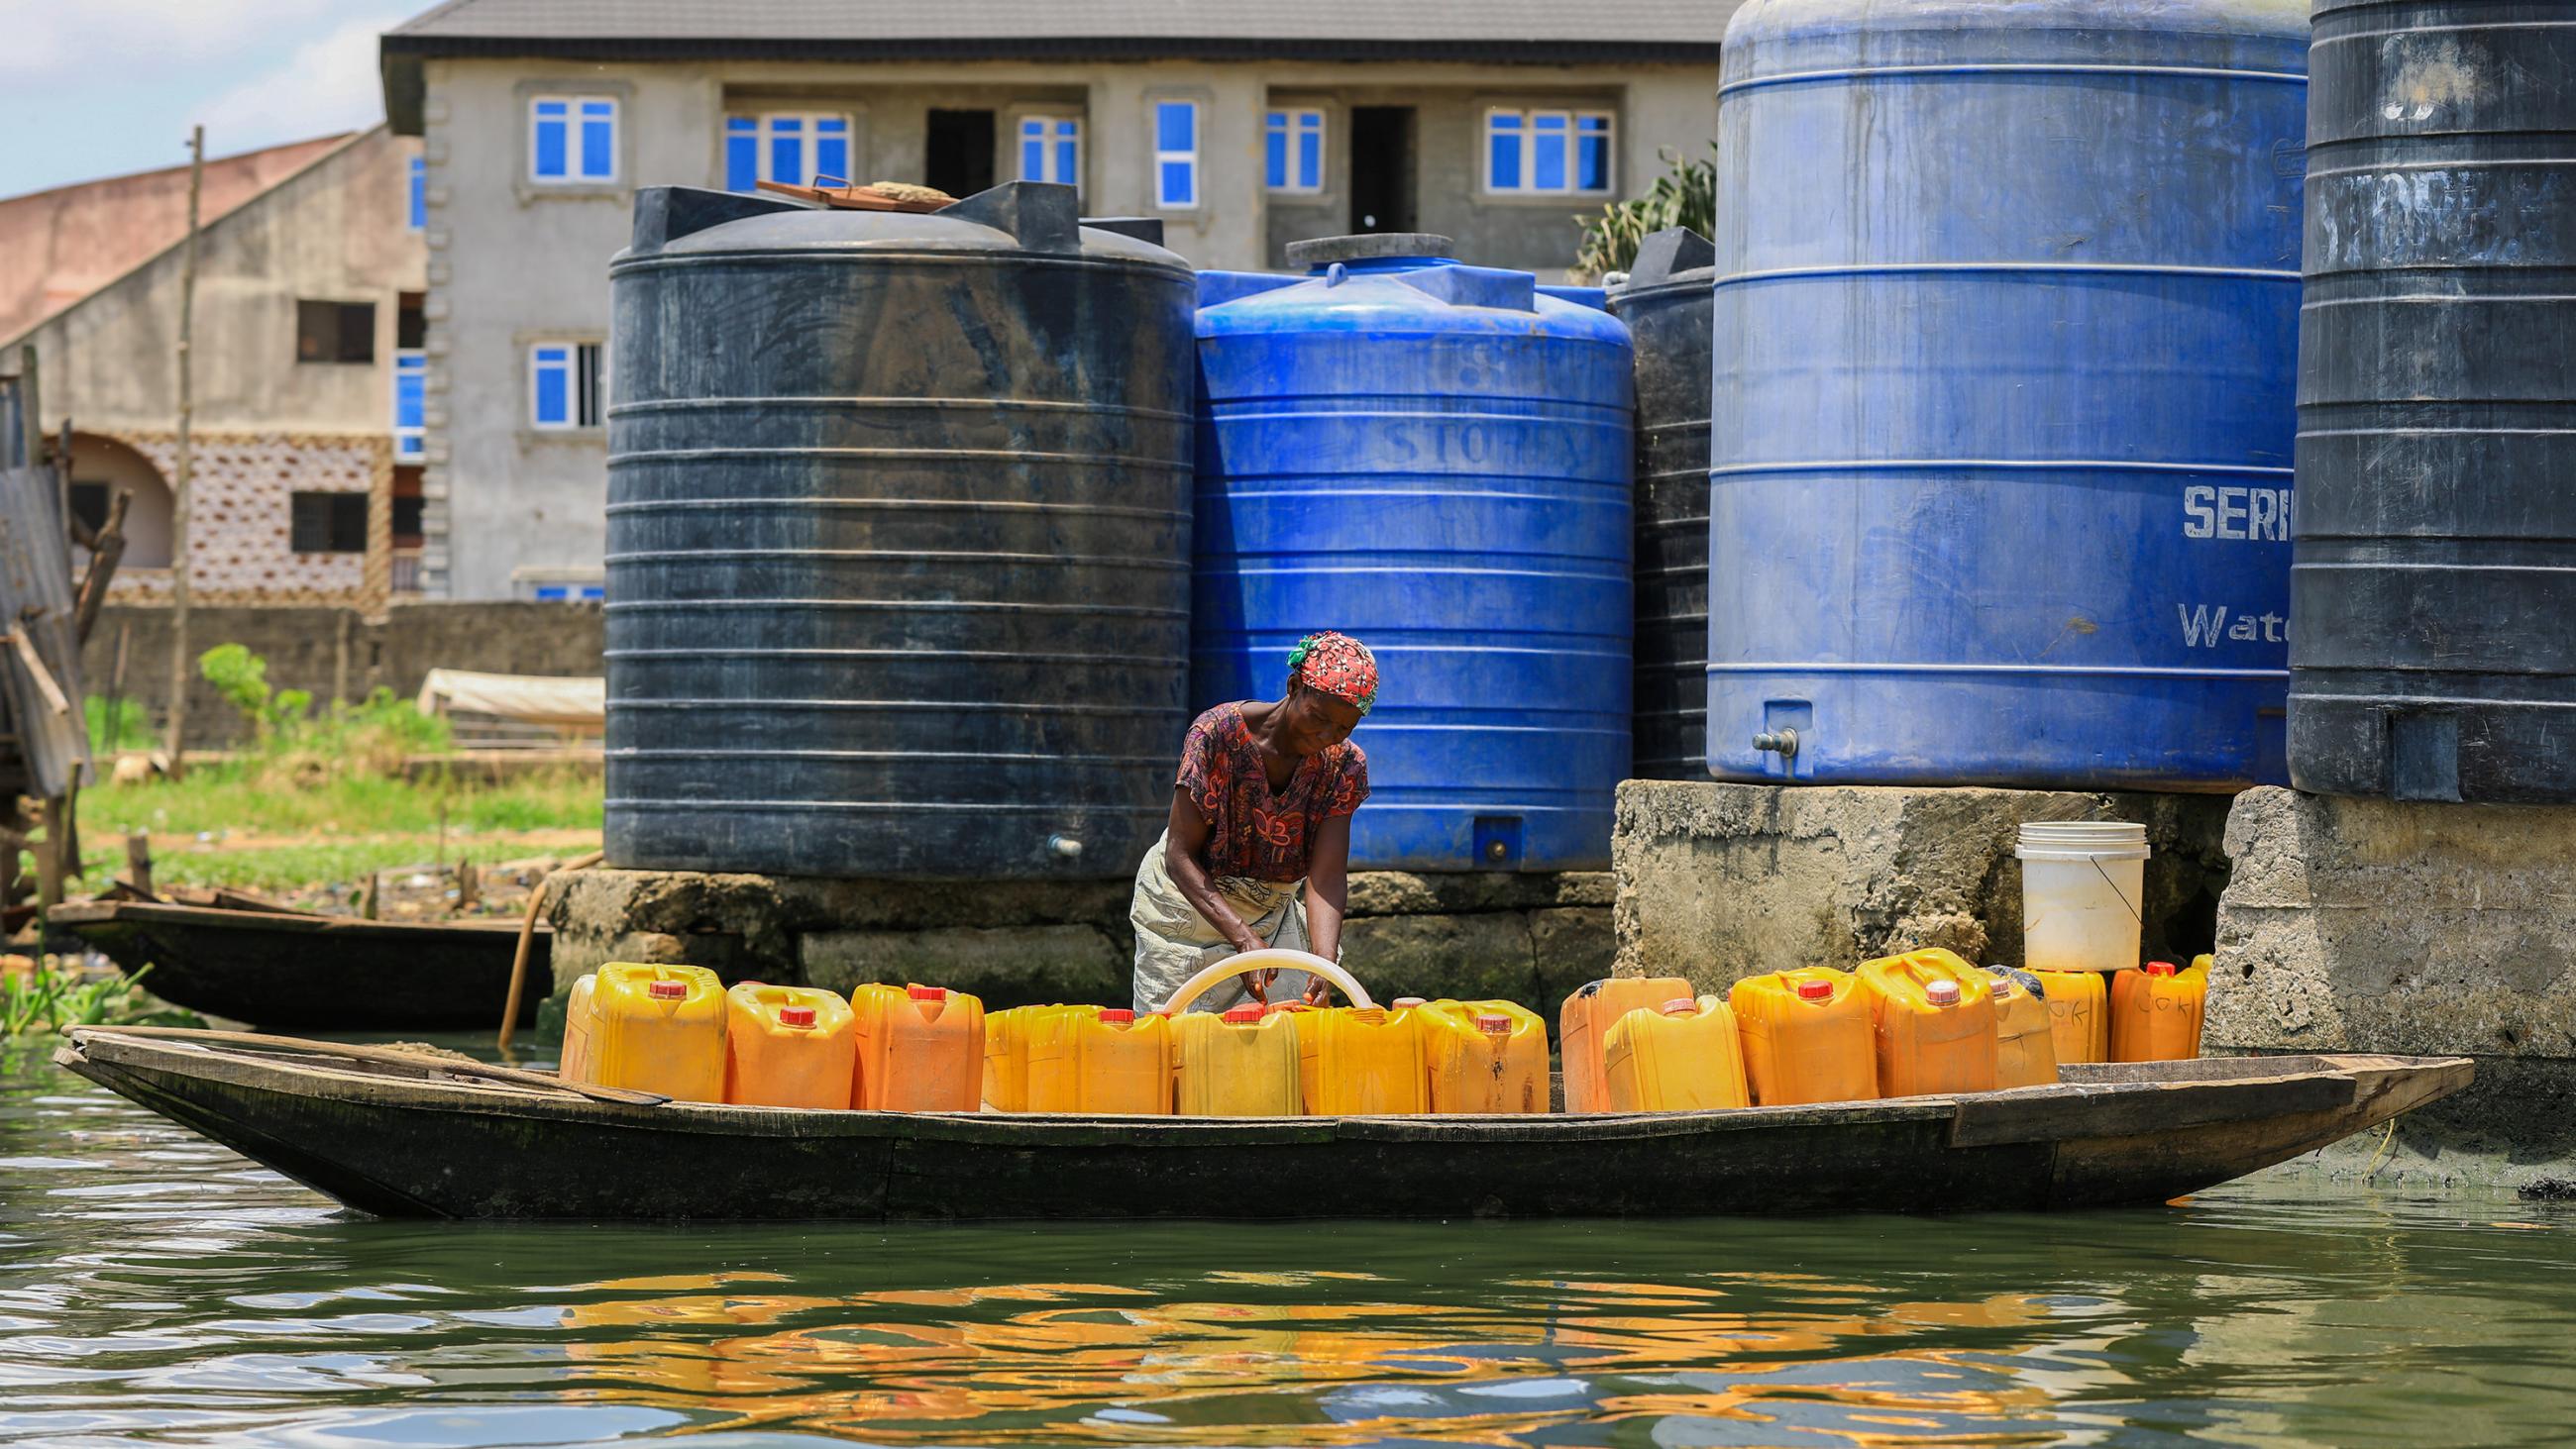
898	538
1666	306
2432	655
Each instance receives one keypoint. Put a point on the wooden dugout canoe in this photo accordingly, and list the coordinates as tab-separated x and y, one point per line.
404	1135
315	973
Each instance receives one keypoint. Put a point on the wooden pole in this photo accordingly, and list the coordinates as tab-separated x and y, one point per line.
138	860
178	738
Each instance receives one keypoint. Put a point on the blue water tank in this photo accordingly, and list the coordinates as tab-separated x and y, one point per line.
2001	492
1435	459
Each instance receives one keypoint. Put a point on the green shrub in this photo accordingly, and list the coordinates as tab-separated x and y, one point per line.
1685	195
298	748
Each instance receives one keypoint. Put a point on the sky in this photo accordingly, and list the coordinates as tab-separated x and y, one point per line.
92	88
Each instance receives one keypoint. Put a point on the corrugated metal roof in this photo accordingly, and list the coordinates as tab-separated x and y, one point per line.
1511	32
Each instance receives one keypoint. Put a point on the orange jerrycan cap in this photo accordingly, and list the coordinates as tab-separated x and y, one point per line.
1681	1006
1494	1023
795	1016
1812	989
1942	993
666	990
1116	1015
2161	968
1244	1015
1405	1001
927	993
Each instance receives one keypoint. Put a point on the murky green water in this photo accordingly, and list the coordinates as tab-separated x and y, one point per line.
156	1288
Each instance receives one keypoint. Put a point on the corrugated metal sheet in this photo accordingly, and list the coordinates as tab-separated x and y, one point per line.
45	723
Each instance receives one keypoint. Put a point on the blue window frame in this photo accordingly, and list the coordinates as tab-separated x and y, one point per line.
1548	152
556	593
572	138
1294	150
563	385
1176	155
796	148
411	404
419	192
1051	149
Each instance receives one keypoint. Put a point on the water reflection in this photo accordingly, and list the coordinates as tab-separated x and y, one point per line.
154	1288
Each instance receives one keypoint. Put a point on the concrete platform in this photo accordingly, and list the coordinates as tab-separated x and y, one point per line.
1529	937
2367	925
1718	882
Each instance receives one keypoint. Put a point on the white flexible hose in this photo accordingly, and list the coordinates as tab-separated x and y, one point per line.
1269	958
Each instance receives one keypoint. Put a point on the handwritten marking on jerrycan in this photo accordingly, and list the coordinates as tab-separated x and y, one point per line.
1807	1037
1485	1056
2079	1015
1684	1056
1936	1023
789	1046
1583	1027
653	1029
921	1049
2155	1012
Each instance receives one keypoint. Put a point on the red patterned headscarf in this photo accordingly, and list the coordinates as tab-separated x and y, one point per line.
1338	665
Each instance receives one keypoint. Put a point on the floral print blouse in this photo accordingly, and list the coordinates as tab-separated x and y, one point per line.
1254	834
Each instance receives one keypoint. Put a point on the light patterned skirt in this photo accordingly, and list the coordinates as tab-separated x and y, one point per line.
1174	942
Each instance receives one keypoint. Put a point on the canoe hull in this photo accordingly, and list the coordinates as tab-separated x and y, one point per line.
432	1148
316	973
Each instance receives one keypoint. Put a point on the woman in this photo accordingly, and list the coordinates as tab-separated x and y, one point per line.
1261	815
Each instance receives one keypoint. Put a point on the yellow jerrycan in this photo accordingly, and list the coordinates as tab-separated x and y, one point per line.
1101	1061
1361	1061
656	1029
2025	1049
789	1046
1583	1026
2079	1015
2155	1012
1685	1056
1007	1035
1484	1056
1935	1023
1241	1064
921	1049
1807	1037
575	1062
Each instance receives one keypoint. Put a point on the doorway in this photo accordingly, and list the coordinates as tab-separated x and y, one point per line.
958	155
1382	182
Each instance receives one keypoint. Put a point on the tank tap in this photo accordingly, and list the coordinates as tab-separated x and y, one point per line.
1781	742
1065	845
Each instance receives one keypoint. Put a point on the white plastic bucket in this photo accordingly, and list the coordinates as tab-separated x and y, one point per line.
2083	889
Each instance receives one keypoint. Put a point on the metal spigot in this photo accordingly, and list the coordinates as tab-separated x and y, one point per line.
1781	742
1066	846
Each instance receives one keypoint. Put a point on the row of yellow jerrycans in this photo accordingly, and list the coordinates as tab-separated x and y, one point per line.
1282	1061
677	1031
1922	1022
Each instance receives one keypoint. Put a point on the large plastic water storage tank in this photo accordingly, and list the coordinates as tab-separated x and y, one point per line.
898	538
2003	427
1433	458
1666	306
2436	553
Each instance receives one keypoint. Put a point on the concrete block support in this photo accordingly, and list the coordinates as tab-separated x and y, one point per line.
2449	930
1717	882
1528	938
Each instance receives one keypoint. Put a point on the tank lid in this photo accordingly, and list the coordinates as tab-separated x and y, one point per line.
795	1016
1814	990
1668	254
1029	217
2161	968
1323	251
1142	228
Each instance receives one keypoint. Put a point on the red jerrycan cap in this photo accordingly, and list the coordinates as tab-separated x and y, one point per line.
666	990
1117	1015
2161	968
1942	993
1813	990
1494	1024
1244	1015
1681	1006
795	1016
928	993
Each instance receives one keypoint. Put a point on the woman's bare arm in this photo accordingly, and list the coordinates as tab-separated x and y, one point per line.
1328	886
1188	836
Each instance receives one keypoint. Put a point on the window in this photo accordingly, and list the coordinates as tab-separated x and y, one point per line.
554	593
89	505
572	138
1051	149
1176	155
328	523
792	148
1547	151
1295	150
419	193
335	331
411	382
563	385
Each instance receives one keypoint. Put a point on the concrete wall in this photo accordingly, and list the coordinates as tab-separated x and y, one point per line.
513	263
317	648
